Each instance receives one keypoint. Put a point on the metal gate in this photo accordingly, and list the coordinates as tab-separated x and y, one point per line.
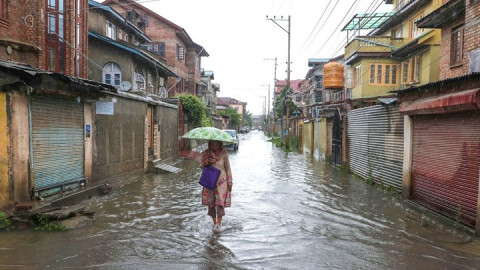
337	139
57	147
375	137
446	159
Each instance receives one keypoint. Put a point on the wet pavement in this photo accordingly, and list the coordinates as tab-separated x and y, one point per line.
288	212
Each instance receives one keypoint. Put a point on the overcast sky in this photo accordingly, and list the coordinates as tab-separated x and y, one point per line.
239	38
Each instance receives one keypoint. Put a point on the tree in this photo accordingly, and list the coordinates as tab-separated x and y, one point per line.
282	101
235	118
248	120
196	110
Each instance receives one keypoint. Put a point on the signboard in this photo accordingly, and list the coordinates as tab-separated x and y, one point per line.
104	107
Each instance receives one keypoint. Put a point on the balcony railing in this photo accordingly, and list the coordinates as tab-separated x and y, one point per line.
372	44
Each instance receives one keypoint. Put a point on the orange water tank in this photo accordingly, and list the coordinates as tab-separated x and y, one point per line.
333	75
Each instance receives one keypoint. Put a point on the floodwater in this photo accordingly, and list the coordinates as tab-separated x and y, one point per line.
288	212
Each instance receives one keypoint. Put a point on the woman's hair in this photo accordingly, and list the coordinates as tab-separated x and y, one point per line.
211	141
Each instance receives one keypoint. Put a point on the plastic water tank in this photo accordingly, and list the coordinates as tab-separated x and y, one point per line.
333	75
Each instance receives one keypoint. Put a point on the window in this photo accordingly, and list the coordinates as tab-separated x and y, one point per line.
456	46
122	35
411	70
79	46
55	56
157	48
383	74
197	63
112	74
151	87
349	80
110	30
180	52
397	32
357	76
139	80
414	30
3	9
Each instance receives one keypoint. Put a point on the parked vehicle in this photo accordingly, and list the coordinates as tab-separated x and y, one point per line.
233	146
244	129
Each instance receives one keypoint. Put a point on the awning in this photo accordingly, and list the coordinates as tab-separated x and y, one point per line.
448	103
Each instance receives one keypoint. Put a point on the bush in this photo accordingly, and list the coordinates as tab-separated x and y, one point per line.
196	110
4	221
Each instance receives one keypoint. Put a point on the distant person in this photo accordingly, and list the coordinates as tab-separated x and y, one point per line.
221	196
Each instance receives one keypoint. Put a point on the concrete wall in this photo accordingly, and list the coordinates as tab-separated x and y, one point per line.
4	179
88	141
167	119
119	138
19	147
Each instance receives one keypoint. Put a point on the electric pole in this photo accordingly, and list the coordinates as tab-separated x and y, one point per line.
286	101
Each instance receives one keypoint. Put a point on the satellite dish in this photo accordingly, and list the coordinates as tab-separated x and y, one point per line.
125	86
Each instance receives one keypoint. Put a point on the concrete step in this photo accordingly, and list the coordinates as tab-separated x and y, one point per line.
167	168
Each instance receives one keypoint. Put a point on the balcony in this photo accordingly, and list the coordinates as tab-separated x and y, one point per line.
371	45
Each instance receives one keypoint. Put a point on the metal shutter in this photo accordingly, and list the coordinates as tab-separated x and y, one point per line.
56	141
375	136
446	157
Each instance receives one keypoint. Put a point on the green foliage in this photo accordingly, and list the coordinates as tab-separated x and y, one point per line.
196	110
293	142
235	118
44	224
4	221
248	120
282	101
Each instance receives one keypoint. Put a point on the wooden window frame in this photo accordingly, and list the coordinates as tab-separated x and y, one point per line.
397	30
114	73
180	52
456	44
3	10
111	30
411	70
414	30
379	72
357	76
55	56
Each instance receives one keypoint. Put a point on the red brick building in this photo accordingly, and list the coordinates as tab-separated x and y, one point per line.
442	120
33	33
171	43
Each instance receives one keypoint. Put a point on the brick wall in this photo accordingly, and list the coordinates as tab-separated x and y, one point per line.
447	70
25	35
472	27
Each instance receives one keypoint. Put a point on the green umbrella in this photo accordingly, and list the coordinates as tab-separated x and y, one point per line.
209	133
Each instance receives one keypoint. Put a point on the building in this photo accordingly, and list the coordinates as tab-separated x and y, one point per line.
46	102
442	120
169	42
134	119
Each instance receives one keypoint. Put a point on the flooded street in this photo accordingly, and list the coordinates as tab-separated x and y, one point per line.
288	212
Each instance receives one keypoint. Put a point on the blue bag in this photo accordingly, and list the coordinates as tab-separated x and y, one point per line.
209	177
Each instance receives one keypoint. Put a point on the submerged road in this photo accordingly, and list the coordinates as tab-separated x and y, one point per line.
288	212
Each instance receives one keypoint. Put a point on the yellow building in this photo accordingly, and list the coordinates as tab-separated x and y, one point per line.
3	149
396	54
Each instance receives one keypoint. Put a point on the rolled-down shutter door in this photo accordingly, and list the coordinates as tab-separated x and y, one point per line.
446	155
375	136
57	141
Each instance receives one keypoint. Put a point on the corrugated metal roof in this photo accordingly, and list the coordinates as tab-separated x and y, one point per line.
367	20
28	74
119	18
134	51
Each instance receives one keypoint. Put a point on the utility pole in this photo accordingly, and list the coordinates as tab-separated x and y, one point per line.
270	100
286	101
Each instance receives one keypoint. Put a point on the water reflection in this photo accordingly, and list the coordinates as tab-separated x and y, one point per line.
288	212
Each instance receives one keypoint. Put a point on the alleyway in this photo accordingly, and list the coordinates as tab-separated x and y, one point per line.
289	212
